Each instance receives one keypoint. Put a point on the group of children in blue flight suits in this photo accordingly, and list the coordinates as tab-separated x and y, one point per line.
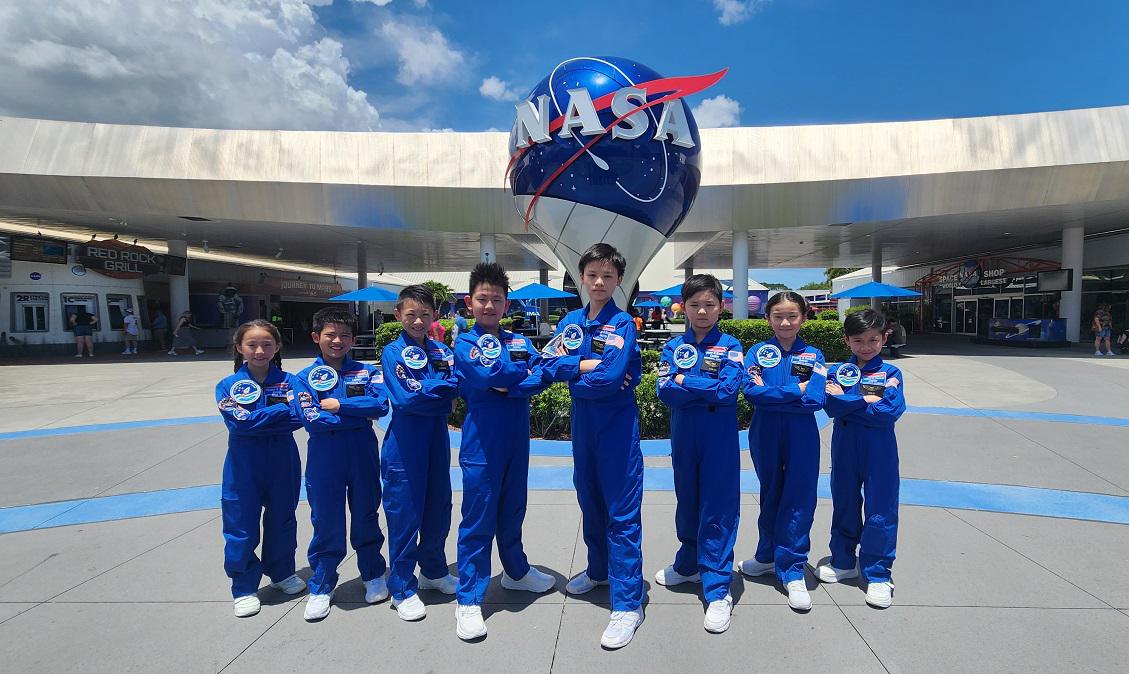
496	372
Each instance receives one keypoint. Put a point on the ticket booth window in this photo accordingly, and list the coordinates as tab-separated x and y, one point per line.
29	312
116	306
71	303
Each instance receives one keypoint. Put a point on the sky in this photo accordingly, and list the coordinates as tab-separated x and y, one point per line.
455	65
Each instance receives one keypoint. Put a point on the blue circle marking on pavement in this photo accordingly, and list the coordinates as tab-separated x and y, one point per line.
930	493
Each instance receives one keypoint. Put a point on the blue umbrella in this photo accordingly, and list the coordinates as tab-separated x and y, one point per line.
673	291
369	294
875	289
648	304
538	291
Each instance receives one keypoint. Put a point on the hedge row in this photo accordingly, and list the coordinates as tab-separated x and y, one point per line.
550	411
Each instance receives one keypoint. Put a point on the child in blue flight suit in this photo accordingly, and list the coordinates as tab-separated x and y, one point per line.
262	470
866	398
336	399
700	375
498	372
785	383
422	383
594	350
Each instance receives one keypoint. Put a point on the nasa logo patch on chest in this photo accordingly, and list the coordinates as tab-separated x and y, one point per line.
768	356
414	357
322	378
245	391
685	356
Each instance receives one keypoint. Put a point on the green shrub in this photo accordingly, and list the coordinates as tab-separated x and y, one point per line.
857	308
827	336
828	315
650	360
458	414
550	413
654	415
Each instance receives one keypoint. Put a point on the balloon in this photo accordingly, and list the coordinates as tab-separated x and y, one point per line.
676	308
596	180
665	302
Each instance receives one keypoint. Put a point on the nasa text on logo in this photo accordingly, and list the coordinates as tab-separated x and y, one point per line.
491	347
322	378
414	357
847	375
768	356
605	141
572	337
35	276
685	356
245	391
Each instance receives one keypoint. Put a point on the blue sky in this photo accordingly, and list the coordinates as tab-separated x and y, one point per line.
791	61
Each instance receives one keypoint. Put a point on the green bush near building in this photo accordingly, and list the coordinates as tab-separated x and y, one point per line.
827	336
827	315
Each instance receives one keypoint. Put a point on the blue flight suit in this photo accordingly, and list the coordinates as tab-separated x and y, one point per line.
607	460
784	443
422	383
704	452
262	475
342	465
864	456
494	453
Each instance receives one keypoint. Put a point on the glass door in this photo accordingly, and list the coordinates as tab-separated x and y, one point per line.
966	317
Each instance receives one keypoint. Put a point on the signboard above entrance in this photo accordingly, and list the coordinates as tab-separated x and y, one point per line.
984	272
116	259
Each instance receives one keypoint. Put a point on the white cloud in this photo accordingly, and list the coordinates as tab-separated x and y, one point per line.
497	89
717	112
424	55
255	64
735	11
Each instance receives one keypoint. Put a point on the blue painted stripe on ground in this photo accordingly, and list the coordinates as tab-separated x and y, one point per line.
101	428
1024	416
932	493
659	447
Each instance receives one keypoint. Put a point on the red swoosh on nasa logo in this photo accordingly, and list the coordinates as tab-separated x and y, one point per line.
675	88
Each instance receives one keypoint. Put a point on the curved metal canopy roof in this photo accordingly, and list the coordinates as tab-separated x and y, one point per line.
808	195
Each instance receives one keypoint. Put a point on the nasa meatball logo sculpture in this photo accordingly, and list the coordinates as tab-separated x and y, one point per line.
605	150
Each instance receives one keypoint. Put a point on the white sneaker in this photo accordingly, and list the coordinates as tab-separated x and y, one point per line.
199	351
798	597
468	622
582	584
829	574
880	595
669	576
291	585
126	352
532	581
376	590
447	584
621	628
247	605
1097	353
717	615
751	567
172	352
317	606
78	355
410	609
1109	353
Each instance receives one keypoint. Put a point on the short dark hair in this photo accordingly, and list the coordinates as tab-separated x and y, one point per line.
603	251
701	282
859	322
787	296
490	273
418	292
339	315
